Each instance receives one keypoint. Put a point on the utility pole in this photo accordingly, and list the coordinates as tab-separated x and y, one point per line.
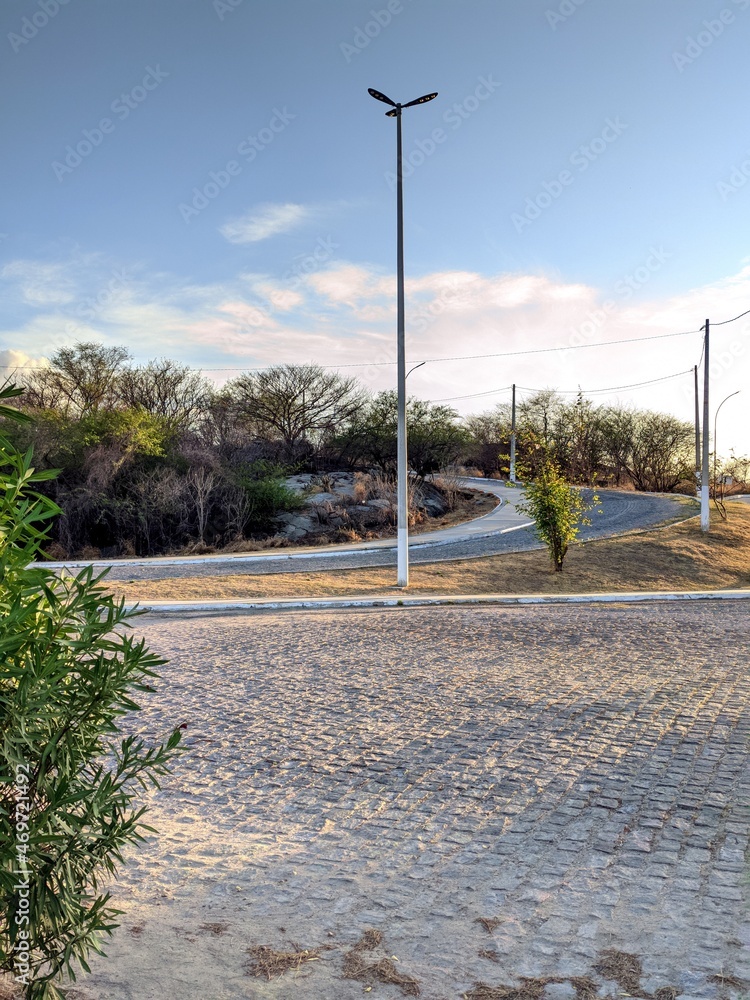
705	513
697	430
513	437
402	466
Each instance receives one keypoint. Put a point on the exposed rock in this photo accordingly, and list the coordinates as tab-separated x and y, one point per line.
296	525
320	498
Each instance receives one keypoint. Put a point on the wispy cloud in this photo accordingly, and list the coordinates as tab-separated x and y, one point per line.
264	222
40	284
345	315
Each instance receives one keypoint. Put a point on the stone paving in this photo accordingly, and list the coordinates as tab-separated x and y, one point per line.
579	774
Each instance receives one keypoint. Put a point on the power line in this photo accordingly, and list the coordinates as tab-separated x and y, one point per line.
568	392
572	347
614	388
489	392
465	357
725	321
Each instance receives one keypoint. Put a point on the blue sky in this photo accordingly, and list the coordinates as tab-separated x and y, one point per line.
208	180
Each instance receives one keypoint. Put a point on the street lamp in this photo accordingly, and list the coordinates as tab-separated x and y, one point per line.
716	417
402	470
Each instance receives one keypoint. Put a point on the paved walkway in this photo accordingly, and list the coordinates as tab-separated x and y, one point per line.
578	775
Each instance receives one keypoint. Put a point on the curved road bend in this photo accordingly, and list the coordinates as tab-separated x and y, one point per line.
502	530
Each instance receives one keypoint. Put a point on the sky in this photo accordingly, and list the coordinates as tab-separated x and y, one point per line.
209	181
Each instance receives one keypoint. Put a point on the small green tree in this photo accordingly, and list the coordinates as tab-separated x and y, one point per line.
558	510
68	780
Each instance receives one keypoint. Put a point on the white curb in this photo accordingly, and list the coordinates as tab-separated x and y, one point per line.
332	603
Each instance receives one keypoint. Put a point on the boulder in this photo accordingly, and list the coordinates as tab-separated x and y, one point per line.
296	525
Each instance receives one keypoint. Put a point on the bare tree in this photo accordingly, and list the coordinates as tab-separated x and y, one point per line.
297	403
79	380
166	389
653	449
201	483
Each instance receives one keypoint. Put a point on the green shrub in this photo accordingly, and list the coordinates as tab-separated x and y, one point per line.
68	780
558	510
266	494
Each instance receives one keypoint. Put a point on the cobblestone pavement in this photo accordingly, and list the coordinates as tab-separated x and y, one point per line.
578	773
621	511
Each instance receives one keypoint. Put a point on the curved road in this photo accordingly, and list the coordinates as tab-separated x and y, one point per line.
502	530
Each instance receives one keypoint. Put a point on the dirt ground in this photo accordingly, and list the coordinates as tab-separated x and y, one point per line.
676	557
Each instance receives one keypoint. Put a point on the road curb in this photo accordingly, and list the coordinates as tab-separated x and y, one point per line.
508	600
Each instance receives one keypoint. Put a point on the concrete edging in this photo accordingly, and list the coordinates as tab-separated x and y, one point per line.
334	603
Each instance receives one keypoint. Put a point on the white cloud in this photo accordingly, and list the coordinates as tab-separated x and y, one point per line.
264	222
40	284
345	315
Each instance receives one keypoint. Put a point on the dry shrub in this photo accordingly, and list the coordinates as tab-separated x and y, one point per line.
361	486
346	535
276	542
269	963
55	552
90	552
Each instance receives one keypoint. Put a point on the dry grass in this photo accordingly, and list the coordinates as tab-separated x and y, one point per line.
269	963
625	969
678	557
381	970
489	923
585	987
529	989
